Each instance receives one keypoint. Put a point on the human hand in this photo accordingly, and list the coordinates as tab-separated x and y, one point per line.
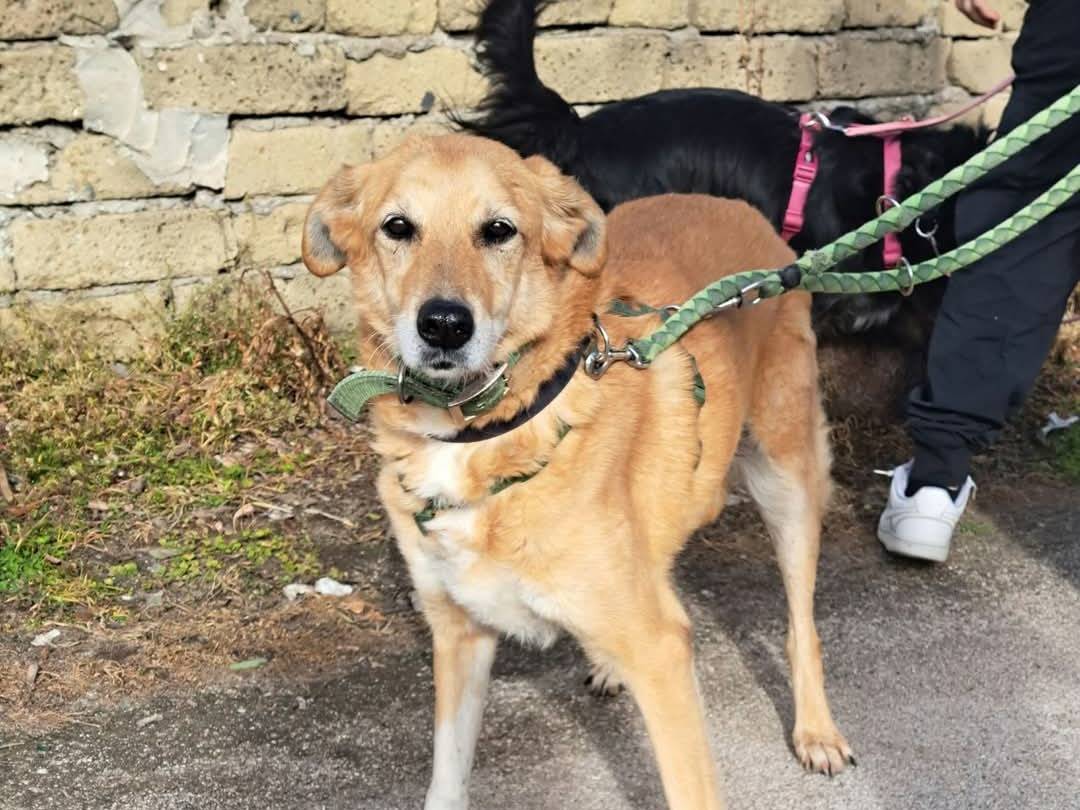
979	12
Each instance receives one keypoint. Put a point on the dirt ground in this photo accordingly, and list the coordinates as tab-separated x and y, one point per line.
956	684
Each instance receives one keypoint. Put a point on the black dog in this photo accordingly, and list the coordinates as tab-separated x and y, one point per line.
728	144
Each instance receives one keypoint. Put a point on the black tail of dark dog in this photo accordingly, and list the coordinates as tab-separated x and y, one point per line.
520	110
728	144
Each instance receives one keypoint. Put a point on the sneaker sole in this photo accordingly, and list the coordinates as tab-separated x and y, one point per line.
906	548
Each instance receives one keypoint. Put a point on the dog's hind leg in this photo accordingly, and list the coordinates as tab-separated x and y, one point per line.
786	470
464	652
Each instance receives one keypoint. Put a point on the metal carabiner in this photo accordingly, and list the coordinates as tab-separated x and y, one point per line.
906	291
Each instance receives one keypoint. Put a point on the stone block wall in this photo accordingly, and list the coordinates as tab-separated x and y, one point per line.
150	147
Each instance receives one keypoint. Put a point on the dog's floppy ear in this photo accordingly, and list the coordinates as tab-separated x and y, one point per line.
575	230
330	238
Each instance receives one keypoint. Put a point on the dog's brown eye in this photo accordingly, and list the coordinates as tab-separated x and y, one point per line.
398	228
497	231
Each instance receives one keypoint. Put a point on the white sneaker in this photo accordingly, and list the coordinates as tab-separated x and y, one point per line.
921	526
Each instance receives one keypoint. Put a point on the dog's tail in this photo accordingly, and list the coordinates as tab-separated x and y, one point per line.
519	110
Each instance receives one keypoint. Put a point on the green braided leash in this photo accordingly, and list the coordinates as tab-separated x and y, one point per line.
813	264
901	278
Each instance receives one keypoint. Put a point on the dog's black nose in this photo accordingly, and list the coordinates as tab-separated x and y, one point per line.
444	324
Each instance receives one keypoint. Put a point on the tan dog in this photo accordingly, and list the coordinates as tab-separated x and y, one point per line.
462	253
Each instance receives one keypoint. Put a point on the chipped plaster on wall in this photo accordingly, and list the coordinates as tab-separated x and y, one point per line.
176	146
23	162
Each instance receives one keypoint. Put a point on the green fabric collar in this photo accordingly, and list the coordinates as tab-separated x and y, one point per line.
464	402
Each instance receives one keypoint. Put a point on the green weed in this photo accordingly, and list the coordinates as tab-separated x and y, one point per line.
256	554
96	451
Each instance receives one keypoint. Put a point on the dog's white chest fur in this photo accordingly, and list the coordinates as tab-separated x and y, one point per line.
448	558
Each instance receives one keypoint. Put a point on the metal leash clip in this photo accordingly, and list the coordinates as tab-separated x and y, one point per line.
602	355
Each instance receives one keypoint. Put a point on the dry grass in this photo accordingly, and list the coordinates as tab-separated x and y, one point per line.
133	508
1067	348
100	457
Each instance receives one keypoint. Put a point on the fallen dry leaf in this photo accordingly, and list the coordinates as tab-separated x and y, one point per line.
5	486
247	510
358	606
31	675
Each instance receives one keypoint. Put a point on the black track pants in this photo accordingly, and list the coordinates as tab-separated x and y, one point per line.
1000	316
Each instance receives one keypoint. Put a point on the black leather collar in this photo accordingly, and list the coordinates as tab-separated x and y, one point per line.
547	392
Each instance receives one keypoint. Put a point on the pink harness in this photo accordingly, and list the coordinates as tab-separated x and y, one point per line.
806	163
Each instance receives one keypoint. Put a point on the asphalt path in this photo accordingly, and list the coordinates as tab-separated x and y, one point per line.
958	686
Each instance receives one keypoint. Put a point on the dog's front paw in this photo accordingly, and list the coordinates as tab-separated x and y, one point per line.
453	529
440	801
603	682
822	751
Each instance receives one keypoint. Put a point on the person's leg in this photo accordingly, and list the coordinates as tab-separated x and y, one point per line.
996	325
999	317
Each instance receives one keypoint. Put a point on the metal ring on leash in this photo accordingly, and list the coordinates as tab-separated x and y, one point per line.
910	288
598	359
884	203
